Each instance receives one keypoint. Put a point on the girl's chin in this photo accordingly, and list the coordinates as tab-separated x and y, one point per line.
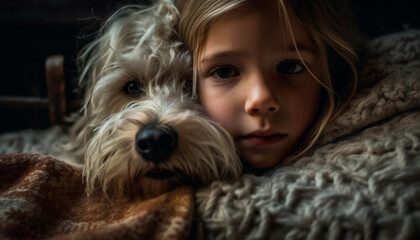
261	161
263	156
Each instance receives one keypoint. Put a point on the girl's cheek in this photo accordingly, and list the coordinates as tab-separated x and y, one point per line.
220	108
214	107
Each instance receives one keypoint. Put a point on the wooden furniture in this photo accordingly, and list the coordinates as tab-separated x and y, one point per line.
56	102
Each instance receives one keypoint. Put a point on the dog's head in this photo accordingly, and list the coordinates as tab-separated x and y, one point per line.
135	48
140	132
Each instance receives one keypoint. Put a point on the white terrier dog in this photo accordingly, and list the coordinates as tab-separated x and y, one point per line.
141	132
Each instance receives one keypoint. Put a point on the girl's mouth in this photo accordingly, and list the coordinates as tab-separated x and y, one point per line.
263	137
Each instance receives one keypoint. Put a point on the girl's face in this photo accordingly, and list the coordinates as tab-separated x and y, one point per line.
252	81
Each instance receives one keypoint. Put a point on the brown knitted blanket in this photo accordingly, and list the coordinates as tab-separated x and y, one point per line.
43	198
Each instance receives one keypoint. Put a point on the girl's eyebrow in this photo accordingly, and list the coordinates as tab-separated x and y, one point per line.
301	47
222	55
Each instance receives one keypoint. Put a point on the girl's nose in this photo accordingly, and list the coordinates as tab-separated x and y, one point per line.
260	97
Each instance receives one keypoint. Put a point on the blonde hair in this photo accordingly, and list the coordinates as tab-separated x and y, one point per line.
328	22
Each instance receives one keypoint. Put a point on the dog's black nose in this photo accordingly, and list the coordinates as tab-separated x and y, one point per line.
156	142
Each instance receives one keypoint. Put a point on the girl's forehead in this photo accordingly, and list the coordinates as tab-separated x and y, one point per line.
262	24
275	16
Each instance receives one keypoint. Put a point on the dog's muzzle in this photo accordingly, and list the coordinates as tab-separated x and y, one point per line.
156	142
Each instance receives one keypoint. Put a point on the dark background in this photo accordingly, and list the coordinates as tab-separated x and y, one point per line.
31	30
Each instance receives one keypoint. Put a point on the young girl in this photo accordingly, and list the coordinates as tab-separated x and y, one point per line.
272	72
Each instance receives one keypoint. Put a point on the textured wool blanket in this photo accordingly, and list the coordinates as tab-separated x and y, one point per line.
43	198
361	182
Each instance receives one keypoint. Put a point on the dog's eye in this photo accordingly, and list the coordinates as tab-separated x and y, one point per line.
133	89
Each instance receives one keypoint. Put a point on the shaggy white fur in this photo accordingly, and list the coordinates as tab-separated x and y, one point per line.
363	182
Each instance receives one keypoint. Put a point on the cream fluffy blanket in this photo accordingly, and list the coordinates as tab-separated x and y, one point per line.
361	182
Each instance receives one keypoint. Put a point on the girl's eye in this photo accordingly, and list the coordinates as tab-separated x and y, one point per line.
133	89
290	67
225	72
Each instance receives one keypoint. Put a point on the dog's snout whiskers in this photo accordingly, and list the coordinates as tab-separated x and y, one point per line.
156	142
